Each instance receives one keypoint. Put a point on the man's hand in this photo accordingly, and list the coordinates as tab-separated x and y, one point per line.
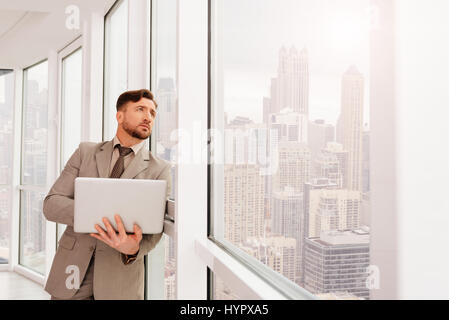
125	243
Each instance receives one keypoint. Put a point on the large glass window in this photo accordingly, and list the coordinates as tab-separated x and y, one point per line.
164	31
290	103
6	145
116	64
34	167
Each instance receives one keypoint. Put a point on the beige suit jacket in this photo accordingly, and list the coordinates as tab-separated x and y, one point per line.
113	279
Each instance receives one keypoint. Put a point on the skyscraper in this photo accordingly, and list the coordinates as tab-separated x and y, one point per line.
350	126
290	89
294	167
319	134
337	262
333	209
286	213
291	126
331	163
276	252
243	202
310	203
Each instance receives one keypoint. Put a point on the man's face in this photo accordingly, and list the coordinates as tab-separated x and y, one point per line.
137	118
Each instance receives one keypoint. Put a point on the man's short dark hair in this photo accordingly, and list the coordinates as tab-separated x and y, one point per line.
134	96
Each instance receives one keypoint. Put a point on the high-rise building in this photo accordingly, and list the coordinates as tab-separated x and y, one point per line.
286	214
290	126
333	209
277	252
290	89
286	209
331	163
350	126
310	203
337	262
319	134
243	202
294	167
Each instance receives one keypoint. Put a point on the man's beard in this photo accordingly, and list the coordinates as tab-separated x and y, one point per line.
134	132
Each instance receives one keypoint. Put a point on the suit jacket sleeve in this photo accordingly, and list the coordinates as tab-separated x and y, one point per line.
58	205
149	241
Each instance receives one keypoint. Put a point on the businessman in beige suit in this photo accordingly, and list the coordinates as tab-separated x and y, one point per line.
110	262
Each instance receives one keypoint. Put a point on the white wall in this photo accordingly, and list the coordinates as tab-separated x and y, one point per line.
422	96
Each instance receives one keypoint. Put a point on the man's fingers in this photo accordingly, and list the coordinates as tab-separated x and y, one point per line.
138	232
120	226
96	236
102	233
112	233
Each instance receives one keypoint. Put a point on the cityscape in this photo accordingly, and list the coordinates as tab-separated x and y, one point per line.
309	219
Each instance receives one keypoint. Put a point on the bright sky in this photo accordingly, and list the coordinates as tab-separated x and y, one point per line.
336	34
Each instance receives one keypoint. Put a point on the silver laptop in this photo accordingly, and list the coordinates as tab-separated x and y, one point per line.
135	200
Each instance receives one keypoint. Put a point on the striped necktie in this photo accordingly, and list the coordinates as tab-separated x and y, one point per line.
119	166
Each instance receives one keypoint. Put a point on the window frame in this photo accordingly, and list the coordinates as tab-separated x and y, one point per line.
9	185
67	51
22	188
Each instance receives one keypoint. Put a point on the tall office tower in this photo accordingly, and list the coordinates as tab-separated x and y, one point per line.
243	202
365	165
309	203
246	142
337	262
286	212
333	210
319	134
167	111
331	163
290	126
350	126
286	208
294	167
277	252
293	80
290	89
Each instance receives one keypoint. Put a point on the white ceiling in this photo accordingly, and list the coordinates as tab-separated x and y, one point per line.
8	19
29	29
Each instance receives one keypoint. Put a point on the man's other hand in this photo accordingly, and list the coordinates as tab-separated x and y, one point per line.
121	241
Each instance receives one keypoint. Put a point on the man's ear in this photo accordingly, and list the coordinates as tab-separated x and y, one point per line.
119	117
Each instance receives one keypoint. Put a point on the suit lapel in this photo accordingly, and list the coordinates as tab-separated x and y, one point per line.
140	162
103	159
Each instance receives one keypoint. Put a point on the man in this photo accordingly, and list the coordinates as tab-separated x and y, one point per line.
110	263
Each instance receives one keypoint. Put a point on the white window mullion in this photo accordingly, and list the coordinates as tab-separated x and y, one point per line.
191	202
53	150
15	192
